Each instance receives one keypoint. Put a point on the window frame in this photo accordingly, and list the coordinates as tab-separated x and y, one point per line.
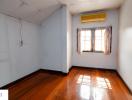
93	39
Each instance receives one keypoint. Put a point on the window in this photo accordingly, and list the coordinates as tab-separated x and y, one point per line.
99	39
86	38
94	40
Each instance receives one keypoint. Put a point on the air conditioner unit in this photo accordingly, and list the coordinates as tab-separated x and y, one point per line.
93	17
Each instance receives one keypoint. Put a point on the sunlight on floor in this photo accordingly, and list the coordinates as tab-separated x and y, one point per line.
84	81
103	83
95	89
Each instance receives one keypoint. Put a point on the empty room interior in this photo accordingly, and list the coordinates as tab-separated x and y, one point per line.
65	49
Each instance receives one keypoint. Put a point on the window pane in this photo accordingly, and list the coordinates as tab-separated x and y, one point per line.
99	39
87	45
88	33
86	40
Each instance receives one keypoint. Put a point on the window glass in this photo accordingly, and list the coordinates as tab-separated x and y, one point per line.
86	40
93	40
99	39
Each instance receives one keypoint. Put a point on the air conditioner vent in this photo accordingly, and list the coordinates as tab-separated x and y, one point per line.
94	17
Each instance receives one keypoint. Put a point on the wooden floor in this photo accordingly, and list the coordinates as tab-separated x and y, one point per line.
79	84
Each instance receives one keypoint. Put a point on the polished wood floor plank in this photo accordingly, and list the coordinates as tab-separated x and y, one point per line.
79	84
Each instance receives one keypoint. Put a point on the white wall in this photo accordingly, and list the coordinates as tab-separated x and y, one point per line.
16	61
51	49
69	39
5	70
55	33
97	60
125	43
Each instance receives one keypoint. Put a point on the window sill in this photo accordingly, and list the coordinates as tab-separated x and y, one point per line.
93	51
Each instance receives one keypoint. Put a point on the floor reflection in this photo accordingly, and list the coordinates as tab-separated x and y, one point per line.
85	92
98	93
94	89
103	83
84	81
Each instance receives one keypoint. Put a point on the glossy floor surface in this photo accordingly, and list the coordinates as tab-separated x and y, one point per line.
79	84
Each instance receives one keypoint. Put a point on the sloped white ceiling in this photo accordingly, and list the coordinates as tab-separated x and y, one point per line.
78	6
36	11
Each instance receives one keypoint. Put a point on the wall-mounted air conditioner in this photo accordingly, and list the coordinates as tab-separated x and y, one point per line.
93	17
